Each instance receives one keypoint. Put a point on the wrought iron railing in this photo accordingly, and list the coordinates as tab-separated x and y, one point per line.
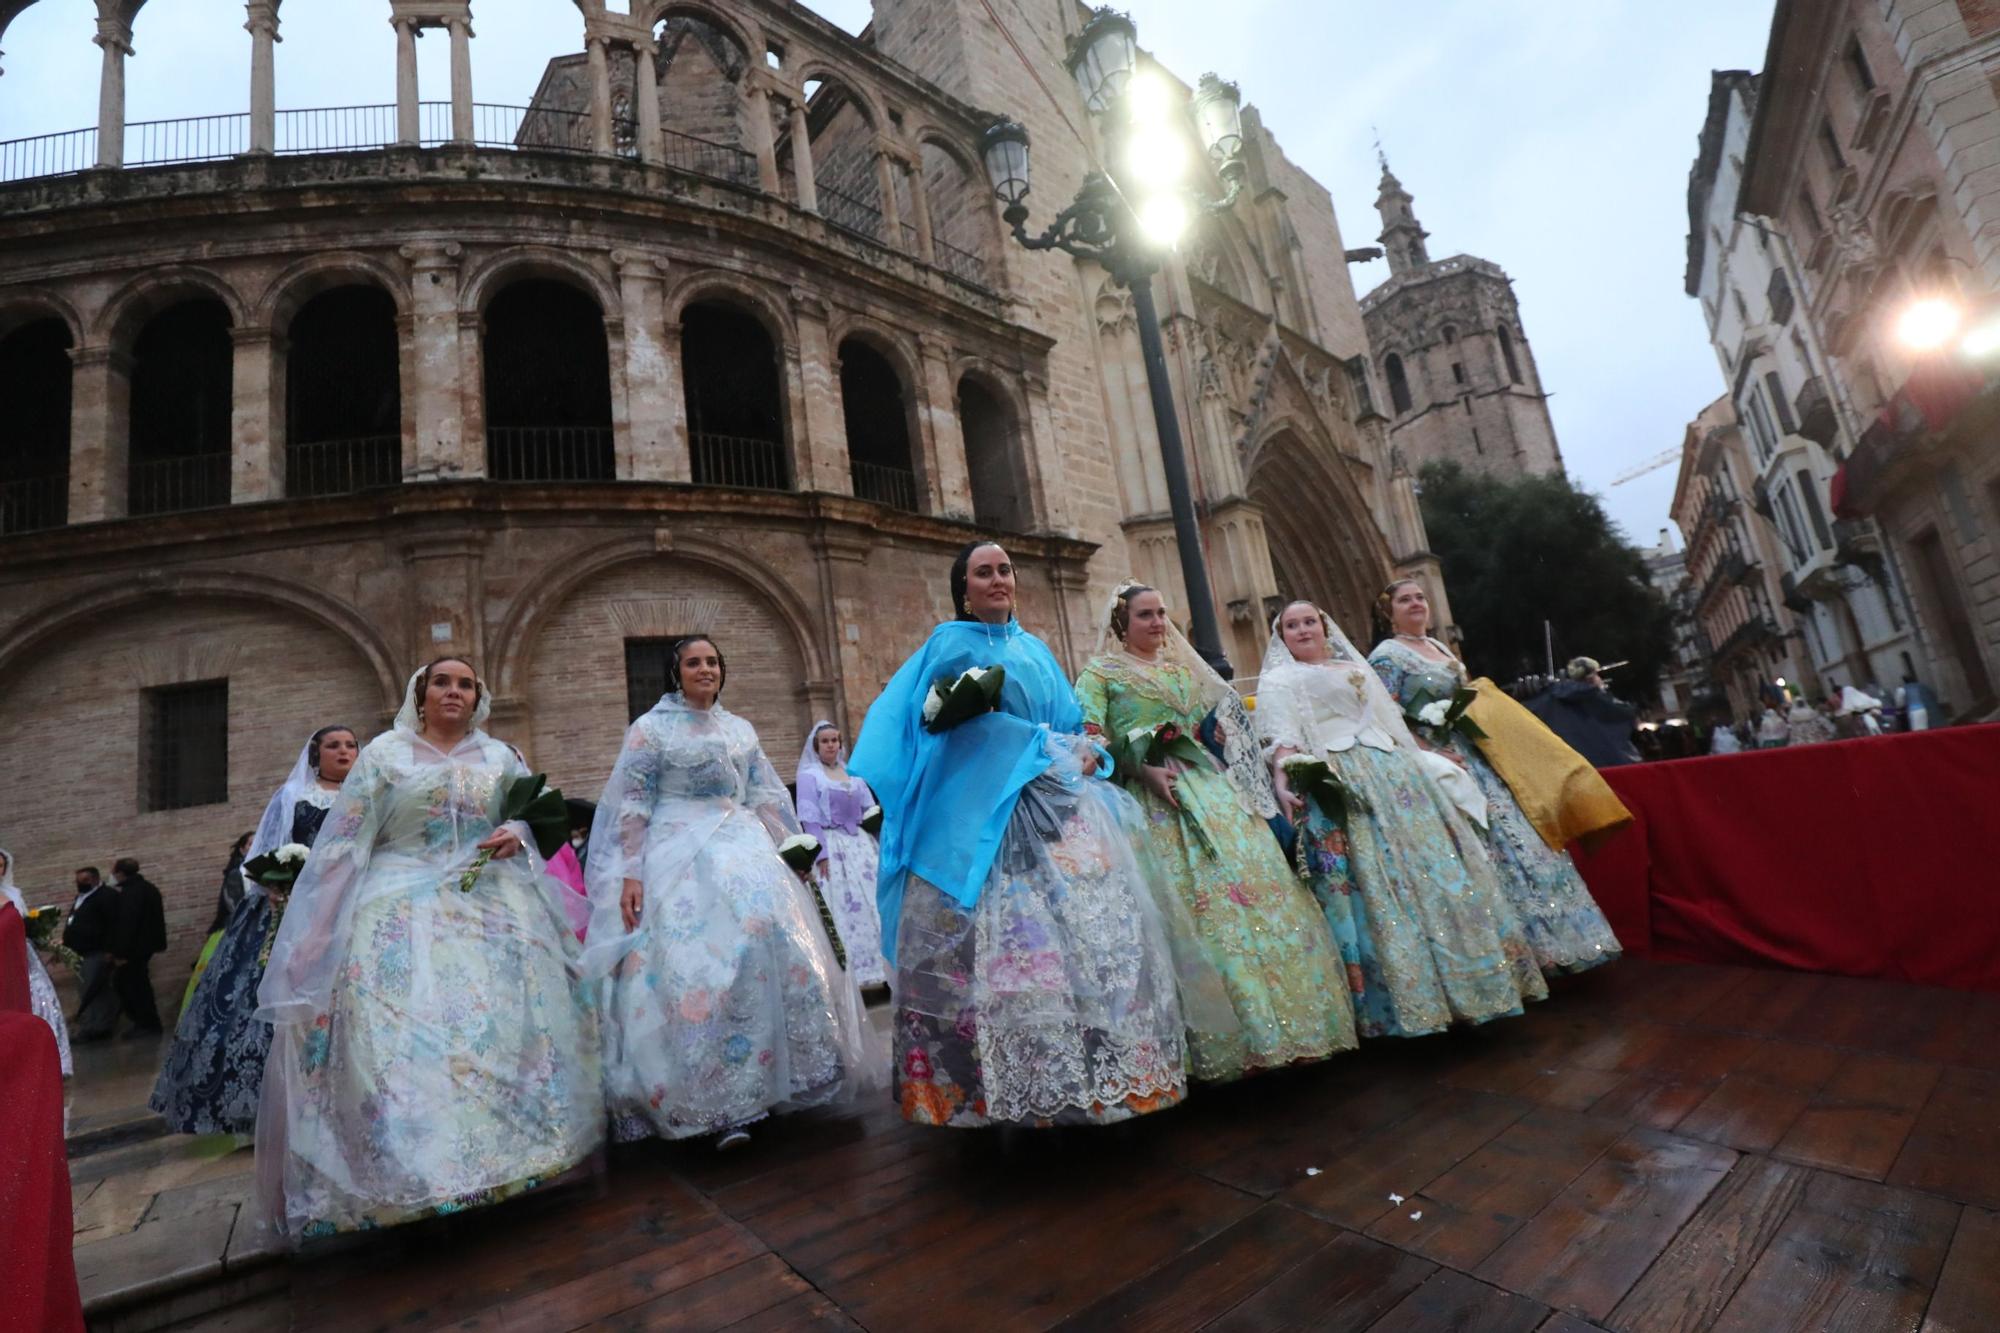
29	504
336	467
849	212
703	157
738	460
170	485
59	154
549	453
887	485
960	263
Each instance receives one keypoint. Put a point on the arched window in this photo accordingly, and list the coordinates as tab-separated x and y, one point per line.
548	385
842	145
729	373
878	427
1507	355
1399	383
994	461
343	394
182	364
34	428
961	215
703	111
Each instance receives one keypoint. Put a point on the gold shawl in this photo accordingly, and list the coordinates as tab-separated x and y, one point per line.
1561	794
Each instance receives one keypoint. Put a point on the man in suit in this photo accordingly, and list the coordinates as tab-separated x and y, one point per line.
141	933
90	930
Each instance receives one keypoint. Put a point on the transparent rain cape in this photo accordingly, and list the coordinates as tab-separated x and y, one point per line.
274	830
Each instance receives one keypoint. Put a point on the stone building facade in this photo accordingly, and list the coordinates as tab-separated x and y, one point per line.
548	386
1453	355
1875	151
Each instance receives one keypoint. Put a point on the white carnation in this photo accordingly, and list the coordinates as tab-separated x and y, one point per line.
1433	715
932	705
977	674
799	842
871	812
1138	734
292	853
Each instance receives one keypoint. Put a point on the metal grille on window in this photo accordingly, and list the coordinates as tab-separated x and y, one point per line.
187	745
646	662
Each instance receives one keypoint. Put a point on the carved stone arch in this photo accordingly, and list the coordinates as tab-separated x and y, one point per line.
763	303
997	380
519	630
829	72
1324	542
290	290
487	277
19	643
898	347
156	289
739	29
1236	269
25	305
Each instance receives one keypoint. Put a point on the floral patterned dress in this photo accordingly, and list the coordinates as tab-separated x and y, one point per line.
847	868
434	1049
1563	922
1415	907
1257	924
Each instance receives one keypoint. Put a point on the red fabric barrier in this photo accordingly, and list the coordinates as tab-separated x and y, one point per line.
38	1275
1868	858
13	960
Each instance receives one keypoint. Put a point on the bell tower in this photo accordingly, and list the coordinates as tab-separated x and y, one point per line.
1402	235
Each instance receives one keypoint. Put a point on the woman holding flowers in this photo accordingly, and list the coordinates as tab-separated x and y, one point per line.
832	806
1035	975
1256	924
432	1050
210	1080
1564	924
42	998
1421	923
720	997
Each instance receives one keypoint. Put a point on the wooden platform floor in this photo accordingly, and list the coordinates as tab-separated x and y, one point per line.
1659	1149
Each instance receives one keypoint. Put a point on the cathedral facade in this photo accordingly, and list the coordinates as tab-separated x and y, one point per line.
721	333
1453	356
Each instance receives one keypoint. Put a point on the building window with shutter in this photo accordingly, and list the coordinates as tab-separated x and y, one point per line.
646	673
187	745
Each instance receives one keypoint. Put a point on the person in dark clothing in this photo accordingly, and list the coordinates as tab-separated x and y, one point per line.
232	884
1581	711
90	931
141	932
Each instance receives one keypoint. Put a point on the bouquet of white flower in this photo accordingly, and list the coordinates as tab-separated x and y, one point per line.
1437	719
276	871
800	852
955	699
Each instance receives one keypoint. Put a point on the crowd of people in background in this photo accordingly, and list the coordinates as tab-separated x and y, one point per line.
1843	713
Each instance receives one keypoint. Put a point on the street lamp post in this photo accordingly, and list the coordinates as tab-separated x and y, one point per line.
1127	221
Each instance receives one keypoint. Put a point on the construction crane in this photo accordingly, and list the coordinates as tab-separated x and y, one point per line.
1653	464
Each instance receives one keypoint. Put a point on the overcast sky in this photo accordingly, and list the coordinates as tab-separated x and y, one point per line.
1550	136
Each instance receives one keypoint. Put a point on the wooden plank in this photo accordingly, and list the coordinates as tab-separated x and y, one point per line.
1353	1188
619	1287
1654	1103
1263	1149
1456	1302
1465	1214
1967	1299
1697	1274
812	1313
1857	1123
1976	1047
1213	1276
713	1303
1752	1108
1851	1256
1343	1288
1766	1002
1565	1088
1954	1148
1585	1250
1567	1323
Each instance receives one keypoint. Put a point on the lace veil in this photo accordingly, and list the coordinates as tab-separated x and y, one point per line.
809	780
275	828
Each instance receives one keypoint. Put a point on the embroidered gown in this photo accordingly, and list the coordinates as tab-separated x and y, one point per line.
1563	922
849	863
1258	926
725	1004
210	1080
1416	910
432	1049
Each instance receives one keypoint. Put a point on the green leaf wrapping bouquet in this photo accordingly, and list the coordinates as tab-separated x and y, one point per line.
275	872
1311	777
44	925
960	698
1436	719
531	800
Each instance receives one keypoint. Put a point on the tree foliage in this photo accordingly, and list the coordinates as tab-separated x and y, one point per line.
1517	552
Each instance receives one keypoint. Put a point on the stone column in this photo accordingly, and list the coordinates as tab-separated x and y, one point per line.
658	448
407	132
433	383
600	97
885	185
1044	458
646	92
943	436
256	417
443	595
819	432
115	38
100	433
920	210
263	29
758	110
802	157
461	79
852	617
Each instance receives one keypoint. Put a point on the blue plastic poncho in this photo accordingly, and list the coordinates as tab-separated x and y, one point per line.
947	796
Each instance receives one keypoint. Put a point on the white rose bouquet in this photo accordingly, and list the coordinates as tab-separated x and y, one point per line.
956	699
871	820
800	852
1437	719
276	871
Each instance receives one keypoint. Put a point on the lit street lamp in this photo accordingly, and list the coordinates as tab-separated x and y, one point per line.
1128	220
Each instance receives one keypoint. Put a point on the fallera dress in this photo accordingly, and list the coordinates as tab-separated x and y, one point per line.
725	1004
831	804
1257	924
1563	922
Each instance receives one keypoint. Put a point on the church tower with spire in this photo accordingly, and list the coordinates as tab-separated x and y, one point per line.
1448	342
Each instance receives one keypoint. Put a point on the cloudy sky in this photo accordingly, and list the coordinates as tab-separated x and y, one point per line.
1551	136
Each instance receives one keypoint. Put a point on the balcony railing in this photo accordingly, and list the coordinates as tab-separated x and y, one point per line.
1749	634
336	467
549	453
28	504
960	263
701	157
848	212
171	485
738	460
886	485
